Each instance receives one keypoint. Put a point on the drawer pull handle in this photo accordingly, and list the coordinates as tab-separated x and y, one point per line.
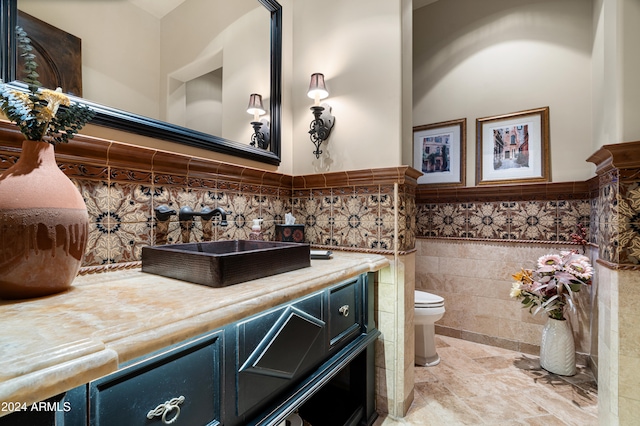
165	409
344	310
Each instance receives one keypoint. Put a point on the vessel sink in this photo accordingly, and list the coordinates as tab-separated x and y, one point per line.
224	263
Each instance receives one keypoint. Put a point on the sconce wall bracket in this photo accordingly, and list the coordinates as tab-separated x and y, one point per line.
261	136
320	127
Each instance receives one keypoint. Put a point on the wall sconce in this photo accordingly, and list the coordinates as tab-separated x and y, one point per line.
261	134
321	126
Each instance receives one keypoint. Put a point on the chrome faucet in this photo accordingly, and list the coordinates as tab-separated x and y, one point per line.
187	213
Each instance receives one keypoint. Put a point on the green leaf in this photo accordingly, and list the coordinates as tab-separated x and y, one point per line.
575	287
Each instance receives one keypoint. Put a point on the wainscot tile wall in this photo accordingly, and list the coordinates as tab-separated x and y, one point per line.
471	240
607	206
616	211
121	185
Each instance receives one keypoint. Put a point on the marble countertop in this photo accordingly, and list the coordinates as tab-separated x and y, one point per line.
52	344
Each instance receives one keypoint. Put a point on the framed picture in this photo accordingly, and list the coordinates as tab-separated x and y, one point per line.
513	147
439	152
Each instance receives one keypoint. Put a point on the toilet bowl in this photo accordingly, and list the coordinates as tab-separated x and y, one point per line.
429	308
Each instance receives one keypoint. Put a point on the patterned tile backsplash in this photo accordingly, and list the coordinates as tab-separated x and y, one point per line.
360	217
123	222
382	209
123	216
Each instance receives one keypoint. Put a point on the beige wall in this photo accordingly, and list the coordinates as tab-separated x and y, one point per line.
407	83
615	70
608	348
628	356
477	59
603	79
629	15
357	44
395	349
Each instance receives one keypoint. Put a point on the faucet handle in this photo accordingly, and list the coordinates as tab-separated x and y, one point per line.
186	213
164	212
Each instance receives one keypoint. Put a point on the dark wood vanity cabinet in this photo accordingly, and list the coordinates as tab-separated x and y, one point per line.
313	355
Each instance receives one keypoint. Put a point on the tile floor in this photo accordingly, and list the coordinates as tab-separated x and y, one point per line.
475	384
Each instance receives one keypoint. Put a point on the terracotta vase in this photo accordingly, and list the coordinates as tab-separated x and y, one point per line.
557	348
43	225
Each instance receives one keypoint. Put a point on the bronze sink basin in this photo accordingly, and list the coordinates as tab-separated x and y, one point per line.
224	263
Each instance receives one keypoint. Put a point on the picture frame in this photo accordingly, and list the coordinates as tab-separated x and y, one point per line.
513	148
439	152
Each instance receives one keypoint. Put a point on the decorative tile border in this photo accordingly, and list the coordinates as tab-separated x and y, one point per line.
535	220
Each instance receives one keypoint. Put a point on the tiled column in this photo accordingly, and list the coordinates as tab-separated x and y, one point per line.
617	225
395	351
373	210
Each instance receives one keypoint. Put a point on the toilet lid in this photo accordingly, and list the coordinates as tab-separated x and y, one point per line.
424	299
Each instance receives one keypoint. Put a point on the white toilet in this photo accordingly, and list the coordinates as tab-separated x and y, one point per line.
429	308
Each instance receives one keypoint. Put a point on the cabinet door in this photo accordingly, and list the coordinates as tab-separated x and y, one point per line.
276	348
180	387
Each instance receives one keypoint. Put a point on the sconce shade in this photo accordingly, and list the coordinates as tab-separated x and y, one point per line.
255	105
317	88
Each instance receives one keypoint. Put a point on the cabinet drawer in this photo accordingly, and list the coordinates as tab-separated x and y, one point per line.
344	312
186	380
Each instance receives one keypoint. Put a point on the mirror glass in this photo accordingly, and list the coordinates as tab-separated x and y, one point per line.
180	70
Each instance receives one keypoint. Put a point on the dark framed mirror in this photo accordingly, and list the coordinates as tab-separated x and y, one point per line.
138	124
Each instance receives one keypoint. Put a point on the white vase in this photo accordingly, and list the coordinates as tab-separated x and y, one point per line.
557	348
